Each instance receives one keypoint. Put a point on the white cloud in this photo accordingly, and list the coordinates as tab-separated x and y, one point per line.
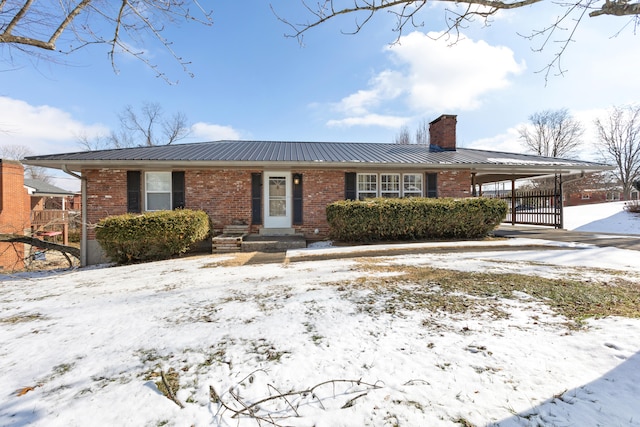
431	76
508	142
392	122
211	132
443	77
43	129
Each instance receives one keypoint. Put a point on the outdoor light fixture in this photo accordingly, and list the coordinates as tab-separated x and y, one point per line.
296	180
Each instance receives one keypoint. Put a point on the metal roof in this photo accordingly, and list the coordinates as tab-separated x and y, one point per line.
42	188
319	153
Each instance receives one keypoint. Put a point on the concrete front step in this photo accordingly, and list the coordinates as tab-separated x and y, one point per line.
258	243
227	242
277	232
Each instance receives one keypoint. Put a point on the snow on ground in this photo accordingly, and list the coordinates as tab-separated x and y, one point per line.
602	218
87	347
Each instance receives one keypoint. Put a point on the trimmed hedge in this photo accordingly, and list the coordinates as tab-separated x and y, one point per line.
151	236
414	218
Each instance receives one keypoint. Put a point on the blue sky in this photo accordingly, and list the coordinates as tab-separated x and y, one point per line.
251	82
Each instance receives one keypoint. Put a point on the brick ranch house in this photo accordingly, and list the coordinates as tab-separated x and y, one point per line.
284	187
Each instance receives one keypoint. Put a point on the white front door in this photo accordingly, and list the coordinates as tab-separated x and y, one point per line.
277	199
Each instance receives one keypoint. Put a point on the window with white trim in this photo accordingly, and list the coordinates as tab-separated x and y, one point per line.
367	185
390	185
412	185
157	187
586	196
613	196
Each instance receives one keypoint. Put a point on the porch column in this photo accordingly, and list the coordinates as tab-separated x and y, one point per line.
513	201
473	185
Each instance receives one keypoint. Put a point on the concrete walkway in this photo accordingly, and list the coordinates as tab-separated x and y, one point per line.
622	241
504	231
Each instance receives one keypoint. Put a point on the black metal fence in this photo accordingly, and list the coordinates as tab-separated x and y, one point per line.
533	207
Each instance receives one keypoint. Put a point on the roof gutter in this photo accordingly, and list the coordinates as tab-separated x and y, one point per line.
83	234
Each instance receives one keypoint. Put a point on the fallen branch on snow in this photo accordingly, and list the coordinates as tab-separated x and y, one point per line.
63	249
251	410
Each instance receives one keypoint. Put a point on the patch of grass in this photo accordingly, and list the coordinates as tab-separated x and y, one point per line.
62	369
463	422
21	318
266	351
426	288
173	381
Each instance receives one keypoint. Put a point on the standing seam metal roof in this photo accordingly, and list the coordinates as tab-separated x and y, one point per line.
325	152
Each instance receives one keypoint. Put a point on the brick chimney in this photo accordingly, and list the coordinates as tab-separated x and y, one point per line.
442	133
14	213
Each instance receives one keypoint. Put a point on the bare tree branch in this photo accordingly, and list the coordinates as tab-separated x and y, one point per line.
552	133
30	26
619	142
65	250
561	32
403	137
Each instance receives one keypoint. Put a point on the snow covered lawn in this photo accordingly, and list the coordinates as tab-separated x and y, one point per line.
347	341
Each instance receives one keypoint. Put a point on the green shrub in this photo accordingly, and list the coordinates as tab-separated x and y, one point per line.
414	218
151	236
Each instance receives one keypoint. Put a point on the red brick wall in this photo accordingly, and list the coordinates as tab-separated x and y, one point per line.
442	132
106	195
454	184
575	199
14	213
225	194
319	188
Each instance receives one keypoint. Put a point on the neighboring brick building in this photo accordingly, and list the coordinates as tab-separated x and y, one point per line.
14	213
284	187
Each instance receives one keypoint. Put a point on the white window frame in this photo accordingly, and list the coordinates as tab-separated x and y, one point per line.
367	188
417	178
390	185
586	196
149	190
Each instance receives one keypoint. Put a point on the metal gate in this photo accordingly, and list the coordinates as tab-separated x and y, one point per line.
534	207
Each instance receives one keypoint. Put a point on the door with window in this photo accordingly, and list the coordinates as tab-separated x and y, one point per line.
277	200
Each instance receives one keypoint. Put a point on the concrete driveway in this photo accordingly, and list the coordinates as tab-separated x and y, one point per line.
622	241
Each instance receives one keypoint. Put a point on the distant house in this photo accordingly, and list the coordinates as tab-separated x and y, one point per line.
284	187
51	208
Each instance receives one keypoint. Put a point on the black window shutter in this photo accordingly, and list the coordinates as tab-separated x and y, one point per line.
133	192
350	186
256	198
297	199
177	188
432	185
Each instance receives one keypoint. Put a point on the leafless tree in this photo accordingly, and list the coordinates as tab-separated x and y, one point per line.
147	126
422	132
403	137
619	143
553	133
64	26
150	126
19	152
408	14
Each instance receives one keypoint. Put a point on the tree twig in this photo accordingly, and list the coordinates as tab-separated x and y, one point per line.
170	394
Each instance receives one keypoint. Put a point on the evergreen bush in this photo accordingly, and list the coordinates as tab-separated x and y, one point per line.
414	218
152	235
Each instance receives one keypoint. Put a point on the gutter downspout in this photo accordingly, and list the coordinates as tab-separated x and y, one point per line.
83	195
